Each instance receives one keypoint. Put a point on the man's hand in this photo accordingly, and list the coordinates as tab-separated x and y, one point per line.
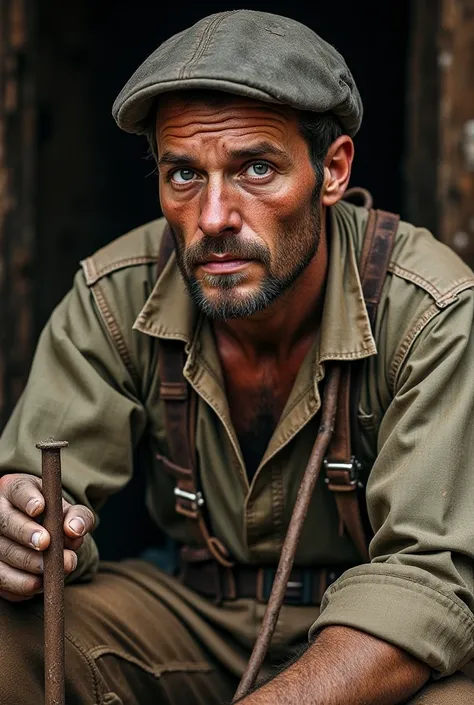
23	540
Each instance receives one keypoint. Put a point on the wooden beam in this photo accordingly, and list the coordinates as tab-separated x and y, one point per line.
439	162
17	196
422	139
456	127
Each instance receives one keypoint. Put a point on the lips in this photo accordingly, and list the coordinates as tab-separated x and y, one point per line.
224	264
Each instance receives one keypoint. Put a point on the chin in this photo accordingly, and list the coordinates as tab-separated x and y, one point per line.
231	304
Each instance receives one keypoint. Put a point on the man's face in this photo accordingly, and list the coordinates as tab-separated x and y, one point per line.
239	192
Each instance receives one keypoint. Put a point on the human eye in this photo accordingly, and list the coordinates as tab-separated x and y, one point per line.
258	170
182	176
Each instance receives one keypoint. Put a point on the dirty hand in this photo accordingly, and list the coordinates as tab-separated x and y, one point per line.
22	540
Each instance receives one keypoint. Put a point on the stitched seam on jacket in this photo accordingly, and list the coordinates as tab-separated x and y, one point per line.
442	298
156	671
114	331
93	274
277	502
89	269
407	342
92	667
441	597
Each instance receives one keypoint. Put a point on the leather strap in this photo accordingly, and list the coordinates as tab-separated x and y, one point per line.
180	412
375	257
342	468
306	586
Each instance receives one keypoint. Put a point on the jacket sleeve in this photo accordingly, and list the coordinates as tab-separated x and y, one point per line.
418	590
79	391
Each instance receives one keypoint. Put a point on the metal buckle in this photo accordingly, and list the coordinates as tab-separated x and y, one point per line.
297	592
353	469
197	498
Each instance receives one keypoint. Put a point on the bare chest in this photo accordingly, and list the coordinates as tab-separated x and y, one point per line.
256	397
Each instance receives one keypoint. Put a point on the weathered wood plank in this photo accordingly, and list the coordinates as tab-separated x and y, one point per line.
439	162
422	138
456	127
17	195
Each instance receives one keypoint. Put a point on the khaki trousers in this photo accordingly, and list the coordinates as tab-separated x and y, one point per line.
126	646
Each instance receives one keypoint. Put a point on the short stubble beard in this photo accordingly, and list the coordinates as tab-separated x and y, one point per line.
296	245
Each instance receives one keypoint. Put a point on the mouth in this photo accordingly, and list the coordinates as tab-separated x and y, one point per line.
224	264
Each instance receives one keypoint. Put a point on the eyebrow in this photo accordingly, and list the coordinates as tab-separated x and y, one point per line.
257	150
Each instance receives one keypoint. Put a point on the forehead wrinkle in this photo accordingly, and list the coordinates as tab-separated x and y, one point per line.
232	140
206	119
194	128
225	146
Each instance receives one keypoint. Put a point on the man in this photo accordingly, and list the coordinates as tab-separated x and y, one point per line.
251	118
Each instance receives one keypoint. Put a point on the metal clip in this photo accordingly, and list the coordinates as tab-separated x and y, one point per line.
353	469
197	498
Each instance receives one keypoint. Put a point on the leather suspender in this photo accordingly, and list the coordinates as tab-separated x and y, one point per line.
180	405
341	466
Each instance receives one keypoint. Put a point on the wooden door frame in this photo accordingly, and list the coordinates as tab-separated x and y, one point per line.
17	195
439	161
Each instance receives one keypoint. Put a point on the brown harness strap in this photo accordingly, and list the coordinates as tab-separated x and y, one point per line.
375	257
180	411
341	467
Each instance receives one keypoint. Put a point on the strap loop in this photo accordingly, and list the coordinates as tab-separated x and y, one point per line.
343	477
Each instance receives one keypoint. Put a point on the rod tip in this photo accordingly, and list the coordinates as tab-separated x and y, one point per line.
51	444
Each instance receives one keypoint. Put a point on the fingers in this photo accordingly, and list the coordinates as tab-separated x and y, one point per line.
73	544
24	493
22	539
28	560
19	557
15	525
21	569
78	521
19	582
11	597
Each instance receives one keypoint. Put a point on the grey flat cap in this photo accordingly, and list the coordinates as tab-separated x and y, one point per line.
253	54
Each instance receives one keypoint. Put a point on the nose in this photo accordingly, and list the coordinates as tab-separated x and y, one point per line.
219	213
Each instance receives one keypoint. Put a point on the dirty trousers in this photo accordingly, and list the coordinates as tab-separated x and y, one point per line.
125	645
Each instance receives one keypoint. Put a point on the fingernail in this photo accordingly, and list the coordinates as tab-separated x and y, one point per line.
77	525
40	565
32	506
74	561
36	538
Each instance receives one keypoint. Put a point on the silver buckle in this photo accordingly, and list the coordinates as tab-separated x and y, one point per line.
197	498
354	468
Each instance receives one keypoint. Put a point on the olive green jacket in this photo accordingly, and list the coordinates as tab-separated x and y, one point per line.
95	383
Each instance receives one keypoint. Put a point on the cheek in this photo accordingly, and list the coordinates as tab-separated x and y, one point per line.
268	213
182	216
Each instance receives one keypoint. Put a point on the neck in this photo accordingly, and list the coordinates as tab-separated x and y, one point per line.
292	319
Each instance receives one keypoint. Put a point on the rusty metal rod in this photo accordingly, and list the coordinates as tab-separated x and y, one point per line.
53	576
305	491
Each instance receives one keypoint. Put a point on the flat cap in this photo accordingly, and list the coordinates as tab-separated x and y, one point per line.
248	53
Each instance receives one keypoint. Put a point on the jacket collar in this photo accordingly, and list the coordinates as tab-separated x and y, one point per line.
345	328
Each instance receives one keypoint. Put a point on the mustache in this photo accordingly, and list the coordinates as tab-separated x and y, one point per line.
227	244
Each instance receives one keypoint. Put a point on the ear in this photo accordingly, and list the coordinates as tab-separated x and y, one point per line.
337	170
